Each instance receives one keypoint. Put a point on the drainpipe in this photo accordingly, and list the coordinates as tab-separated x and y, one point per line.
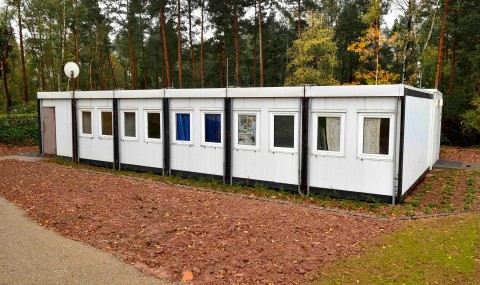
74	122
304	149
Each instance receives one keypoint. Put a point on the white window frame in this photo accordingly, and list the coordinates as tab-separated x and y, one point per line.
336	114
173	120
391	138
238	113
100	135
145	116
295	131
81	110
122	124
211	112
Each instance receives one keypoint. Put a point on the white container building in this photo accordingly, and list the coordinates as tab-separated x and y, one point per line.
360	142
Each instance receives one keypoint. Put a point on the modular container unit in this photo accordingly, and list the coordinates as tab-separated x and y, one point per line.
362	142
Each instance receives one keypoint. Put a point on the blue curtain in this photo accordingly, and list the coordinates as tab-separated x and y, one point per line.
183	127
213	128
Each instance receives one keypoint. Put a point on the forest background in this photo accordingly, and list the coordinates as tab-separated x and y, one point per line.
152	44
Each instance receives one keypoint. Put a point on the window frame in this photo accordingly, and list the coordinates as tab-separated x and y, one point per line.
211	112
80	122
296	134
174	126
391	134
238	113
146	138
343	125
122	124
100	123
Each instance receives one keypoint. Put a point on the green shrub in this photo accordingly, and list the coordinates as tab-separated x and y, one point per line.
19	128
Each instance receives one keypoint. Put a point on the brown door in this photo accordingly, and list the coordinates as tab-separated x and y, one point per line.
49	131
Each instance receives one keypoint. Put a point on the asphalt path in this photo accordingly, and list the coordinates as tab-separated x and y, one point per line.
31	254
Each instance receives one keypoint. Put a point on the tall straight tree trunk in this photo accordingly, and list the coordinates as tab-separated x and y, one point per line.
202	67
22	54
165	47
193	64
260	41
100	57
133	77
237	46
255	51
8	97
179	47
452	66
220	63
77	41
441	43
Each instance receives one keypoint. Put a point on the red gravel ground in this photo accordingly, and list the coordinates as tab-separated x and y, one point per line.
458	153
169	230
7	150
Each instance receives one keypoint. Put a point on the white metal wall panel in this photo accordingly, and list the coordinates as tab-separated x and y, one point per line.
140	151
266	92
136	94
94	148
436	127
196	157
63	124
264	164
354	91
417	144
350	172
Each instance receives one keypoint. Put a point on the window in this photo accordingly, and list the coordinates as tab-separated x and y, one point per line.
247	130
129	124
182	127
212	128
153	121
328	133
376	135
106	126
283	131
86	122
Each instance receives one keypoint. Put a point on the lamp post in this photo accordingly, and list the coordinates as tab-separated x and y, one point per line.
71	71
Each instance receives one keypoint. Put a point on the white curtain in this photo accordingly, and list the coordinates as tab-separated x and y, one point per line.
371	135
333	133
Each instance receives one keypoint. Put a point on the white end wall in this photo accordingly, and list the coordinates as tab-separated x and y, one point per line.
418	141
63	124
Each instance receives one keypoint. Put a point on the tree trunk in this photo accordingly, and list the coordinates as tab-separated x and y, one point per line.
260	40
237	46
192	50
100	57
452	66
441	43
202	67
8	97
408	41
165	47
77	41
255	51
377	48
179	47
22	54
133	77
220	63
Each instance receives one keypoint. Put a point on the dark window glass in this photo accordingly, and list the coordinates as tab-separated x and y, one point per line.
213	128
376	135
183	127
130	124
87	122
107	123
283	131
153	122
